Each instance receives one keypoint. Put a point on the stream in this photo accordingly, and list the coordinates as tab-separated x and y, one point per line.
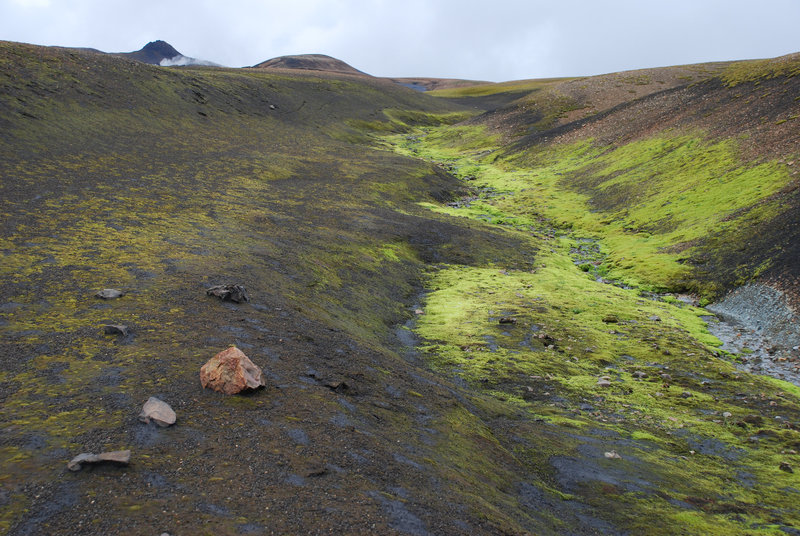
754	323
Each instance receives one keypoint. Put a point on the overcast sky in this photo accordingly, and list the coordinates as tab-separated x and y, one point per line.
472	39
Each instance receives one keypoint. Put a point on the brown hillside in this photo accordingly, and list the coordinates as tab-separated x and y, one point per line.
309	62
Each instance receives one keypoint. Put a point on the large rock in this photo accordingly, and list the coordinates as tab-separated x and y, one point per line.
157	411
231	372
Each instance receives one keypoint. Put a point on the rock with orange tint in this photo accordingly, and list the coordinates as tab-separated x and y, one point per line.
231	372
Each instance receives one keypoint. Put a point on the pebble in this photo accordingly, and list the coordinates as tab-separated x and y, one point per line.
109	294
612	455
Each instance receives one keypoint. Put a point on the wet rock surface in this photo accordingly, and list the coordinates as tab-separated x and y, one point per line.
757	323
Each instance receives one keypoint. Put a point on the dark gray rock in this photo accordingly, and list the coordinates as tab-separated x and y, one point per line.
233	293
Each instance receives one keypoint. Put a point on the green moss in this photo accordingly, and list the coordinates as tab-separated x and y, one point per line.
648	201
757	70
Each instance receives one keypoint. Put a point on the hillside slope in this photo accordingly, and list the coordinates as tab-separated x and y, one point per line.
309	62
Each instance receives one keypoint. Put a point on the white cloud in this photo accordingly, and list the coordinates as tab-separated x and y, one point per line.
498	40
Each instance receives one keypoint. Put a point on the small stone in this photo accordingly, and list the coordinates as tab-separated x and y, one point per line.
639	374
612	455
686	394
508	320
341	387
271	106
727	414
158	411
234	293
116	329
117	457
666	377
419	312
109	294
231	372
784	466
655	318
610	319
603	382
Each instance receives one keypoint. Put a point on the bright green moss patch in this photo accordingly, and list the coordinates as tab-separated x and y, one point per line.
648	201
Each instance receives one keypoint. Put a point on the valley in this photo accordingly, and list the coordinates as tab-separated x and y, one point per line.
467	302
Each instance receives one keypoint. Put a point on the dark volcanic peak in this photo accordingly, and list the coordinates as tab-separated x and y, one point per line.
154	52
162	53
310	62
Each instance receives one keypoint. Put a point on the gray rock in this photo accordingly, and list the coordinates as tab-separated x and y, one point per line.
157	411
109	294
116	329
117	457
234	293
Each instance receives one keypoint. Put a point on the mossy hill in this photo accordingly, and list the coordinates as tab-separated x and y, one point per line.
441	356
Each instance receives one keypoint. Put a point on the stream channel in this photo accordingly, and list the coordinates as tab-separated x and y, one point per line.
755	323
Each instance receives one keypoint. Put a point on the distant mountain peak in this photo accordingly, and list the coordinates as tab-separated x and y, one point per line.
161	48
162	53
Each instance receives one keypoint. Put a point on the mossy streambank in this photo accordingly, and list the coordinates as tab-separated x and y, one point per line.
613	394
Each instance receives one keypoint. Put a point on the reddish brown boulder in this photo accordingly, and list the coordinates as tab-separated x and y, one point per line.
231	372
